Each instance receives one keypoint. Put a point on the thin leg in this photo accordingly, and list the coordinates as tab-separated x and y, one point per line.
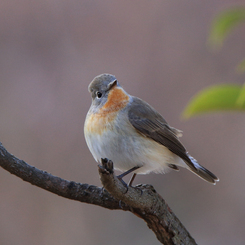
127	172
131	182
132	179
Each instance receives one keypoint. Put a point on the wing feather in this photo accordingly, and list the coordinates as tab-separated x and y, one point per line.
151	124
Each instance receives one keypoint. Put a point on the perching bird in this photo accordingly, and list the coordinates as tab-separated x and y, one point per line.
131	133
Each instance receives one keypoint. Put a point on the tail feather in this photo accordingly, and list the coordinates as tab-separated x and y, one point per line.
206	175
202	172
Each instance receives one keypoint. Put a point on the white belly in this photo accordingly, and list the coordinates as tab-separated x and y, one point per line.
127	149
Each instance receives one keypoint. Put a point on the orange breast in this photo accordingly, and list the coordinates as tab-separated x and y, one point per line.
117	100
104	118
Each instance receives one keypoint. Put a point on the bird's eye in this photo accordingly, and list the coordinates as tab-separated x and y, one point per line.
98	94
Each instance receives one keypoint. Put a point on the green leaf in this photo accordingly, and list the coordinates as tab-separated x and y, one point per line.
215	98
223	24
241	67
241	97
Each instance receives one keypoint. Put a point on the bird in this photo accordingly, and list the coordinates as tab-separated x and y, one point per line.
133	135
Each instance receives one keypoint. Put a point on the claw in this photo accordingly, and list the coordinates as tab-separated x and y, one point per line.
108	165
138	188
123	182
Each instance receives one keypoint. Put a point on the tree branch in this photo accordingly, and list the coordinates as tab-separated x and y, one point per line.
69	189
142	200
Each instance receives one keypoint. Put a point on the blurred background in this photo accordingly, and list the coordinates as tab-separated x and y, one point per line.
51	50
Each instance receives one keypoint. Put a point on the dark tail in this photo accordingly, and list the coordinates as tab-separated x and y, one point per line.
202	172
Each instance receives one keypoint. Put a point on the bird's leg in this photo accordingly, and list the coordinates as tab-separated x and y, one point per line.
128	172
132	179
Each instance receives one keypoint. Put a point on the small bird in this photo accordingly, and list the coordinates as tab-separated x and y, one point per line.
131	133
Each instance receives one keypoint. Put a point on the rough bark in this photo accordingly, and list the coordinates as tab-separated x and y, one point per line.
142	200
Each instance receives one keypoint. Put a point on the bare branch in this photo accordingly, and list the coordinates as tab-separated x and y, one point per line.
68	189
142	200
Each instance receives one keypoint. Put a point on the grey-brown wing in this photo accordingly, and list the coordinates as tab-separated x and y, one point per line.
151	124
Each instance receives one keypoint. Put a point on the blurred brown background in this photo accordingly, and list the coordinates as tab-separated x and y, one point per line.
51	50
